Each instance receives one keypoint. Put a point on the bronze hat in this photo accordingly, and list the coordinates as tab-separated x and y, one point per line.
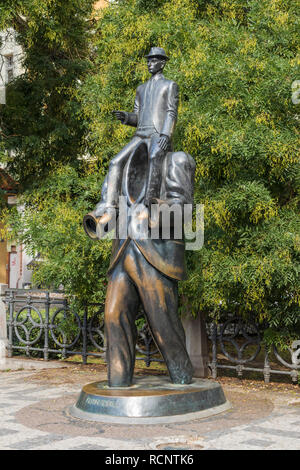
157	52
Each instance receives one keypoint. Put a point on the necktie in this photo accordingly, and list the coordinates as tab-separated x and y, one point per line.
149	94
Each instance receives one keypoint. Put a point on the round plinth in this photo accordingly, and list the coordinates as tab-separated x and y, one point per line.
150	400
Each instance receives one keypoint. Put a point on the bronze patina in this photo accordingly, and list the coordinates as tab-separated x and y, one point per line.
150	400
145	271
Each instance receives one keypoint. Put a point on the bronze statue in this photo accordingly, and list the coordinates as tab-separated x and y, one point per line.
154	115
143	270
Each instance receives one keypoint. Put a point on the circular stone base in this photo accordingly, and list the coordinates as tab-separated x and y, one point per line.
150	400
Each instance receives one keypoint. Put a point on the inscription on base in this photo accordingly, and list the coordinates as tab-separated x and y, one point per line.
101	403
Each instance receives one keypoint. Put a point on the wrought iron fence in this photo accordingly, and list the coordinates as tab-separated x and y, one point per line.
231	340
43	323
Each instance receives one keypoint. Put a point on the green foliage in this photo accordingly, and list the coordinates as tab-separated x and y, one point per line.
282	340
51	226
41	122
235	62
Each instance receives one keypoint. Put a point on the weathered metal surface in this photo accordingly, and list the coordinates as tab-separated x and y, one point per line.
144	270
150	397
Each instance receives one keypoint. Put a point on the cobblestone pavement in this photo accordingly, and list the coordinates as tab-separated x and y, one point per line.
34	416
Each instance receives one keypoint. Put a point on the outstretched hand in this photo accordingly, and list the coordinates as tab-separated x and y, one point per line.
121	115
163	142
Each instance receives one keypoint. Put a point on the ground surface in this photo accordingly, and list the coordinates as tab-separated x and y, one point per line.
34	415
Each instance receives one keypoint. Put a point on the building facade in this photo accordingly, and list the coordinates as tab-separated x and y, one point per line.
13	259
10	60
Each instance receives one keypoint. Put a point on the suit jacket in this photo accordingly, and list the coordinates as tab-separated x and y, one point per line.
166	255
161	104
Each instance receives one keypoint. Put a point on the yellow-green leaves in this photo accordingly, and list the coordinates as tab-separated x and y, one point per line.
235	63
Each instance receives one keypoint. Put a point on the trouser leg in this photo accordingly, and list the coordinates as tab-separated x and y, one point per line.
161	308
115	173
159	296
121	308
156	155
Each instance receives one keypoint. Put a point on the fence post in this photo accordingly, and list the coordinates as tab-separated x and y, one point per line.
46	327
267	368
3	327
84	335
214	342
196	343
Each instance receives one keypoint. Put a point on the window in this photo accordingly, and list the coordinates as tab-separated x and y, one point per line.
10	75
10	67
10	60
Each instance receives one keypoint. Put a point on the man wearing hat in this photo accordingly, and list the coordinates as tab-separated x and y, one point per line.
145	270
154	115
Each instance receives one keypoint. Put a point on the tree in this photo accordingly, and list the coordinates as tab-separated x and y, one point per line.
43	138
41	123
50	226
235	62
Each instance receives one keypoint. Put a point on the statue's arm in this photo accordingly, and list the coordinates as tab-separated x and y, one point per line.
130	119
179	182
172	110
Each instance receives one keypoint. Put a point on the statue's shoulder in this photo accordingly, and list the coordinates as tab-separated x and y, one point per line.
169	83
141	87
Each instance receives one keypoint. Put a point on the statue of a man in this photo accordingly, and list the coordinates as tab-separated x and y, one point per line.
154	116
145	271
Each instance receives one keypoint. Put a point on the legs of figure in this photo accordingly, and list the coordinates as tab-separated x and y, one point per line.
121	308
167	329
156	155
115	172
159	296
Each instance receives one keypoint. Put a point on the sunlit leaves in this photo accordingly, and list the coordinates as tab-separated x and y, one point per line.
235	62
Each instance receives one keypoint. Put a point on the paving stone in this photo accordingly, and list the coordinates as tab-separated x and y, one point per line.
273	432
215	434
29	390
258	443
24	401
5	432
88	447
28	444
267	428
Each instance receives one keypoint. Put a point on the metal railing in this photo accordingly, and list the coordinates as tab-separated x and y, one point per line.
230	341
43	323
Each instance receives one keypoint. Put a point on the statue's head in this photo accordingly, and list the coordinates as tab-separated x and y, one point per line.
156	60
